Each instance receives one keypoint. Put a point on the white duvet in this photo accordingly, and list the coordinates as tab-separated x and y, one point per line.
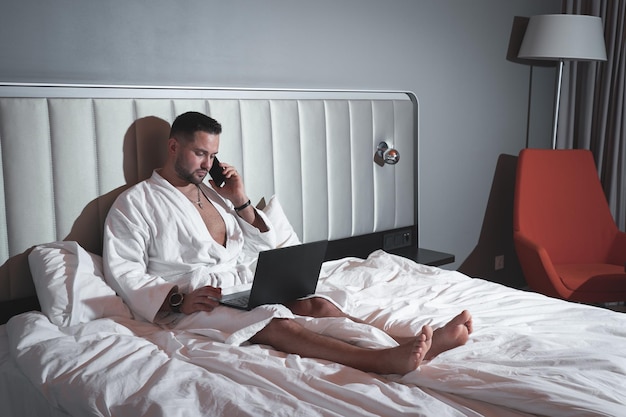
528	355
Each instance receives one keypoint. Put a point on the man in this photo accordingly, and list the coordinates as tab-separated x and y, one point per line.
172	242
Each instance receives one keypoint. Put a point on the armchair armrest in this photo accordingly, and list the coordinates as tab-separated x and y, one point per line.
538	268
617	255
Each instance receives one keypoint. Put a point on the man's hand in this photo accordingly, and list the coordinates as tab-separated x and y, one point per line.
233	188
234	191
202	299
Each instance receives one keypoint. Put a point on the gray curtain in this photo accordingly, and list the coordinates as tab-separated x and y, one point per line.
594	103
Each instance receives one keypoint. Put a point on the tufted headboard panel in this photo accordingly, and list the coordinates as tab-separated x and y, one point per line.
66	152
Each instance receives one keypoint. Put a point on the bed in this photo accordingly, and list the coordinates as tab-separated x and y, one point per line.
312	161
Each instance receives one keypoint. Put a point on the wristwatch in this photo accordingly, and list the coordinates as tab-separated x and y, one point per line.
176	301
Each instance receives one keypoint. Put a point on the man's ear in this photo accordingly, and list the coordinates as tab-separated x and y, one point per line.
172	145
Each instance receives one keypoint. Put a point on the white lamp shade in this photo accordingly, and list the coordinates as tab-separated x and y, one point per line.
564	37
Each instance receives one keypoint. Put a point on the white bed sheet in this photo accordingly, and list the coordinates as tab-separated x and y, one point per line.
528	355
18	396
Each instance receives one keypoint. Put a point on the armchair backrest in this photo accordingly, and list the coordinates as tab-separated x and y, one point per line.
560	205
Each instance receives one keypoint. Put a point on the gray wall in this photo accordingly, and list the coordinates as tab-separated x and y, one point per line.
450	53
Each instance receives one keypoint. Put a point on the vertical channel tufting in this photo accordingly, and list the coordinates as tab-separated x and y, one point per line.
257	148
27	173
314	169
383	127
134	108
74	167
4	236
244	150
339	164
228	114
51	179
130	149
406	175
4	247
96	153
239	139
272	151
98	169
390	117
287	167
362	173
300	138
376	174
115	126
301	195
174	112
207	109
327	172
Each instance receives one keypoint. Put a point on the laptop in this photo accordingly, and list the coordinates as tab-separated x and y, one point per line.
282	275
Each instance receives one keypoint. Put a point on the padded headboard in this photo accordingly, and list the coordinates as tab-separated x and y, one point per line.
68	151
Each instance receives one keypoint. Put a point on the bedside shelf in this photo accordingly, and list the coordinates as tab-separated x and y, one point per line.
425	256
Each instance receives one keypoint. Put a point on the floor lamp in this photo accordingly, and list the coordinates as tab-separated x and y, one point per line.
563	37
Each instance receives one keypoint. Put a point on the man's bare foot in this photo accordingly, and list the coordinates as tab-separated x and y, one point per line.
408	356
455	333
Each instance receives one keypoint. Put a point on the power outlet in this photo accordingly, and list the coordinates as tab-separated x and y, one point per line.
499	262
398	239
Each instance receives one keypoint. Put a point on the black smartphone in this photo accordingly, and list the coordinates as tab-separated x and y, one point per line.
216	173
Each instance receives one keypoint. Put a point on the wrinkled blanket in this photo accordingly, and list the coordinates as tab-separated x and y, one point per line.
528	355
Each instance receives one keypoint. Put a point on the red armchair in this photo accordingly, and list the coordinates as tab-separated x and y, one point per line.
566	239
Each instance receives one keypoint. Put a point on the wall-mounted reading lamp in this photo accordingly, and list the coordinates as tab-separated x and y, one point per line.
386	154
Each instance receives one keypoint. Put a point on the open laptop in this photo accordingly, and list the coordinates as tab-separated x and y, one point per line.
282	275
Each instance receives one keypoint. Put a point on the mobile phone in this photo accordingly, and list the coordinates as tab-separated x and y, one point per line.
216	173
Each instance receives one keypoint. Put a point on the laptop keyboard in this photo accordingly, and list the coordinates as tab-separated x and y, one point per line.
240	301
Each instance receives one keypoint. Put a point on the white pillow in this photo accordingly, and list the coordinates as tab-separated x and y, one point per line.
70	284
285	235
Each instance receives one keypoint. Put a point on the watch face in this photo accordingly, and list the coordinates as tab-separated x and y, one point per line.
176	299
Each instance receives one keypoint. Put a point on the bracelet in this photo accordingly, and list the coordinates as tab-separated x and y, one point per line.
243	206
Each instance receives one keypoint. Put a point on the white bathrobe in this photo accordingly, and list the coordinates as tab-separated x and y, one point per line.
155	238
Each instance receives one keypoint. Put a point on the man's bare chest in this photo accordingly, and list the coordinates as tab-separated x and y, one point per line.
210	215
213	221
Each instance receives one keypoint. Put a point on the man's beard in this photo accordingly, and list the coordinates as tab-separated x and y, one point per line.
186	175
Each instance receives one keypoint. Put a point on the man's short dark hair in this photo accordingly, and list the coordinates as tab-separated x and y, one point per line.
187	124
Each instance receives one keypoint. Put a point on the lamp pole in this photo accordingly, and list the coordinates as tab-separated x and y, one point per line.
557	102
